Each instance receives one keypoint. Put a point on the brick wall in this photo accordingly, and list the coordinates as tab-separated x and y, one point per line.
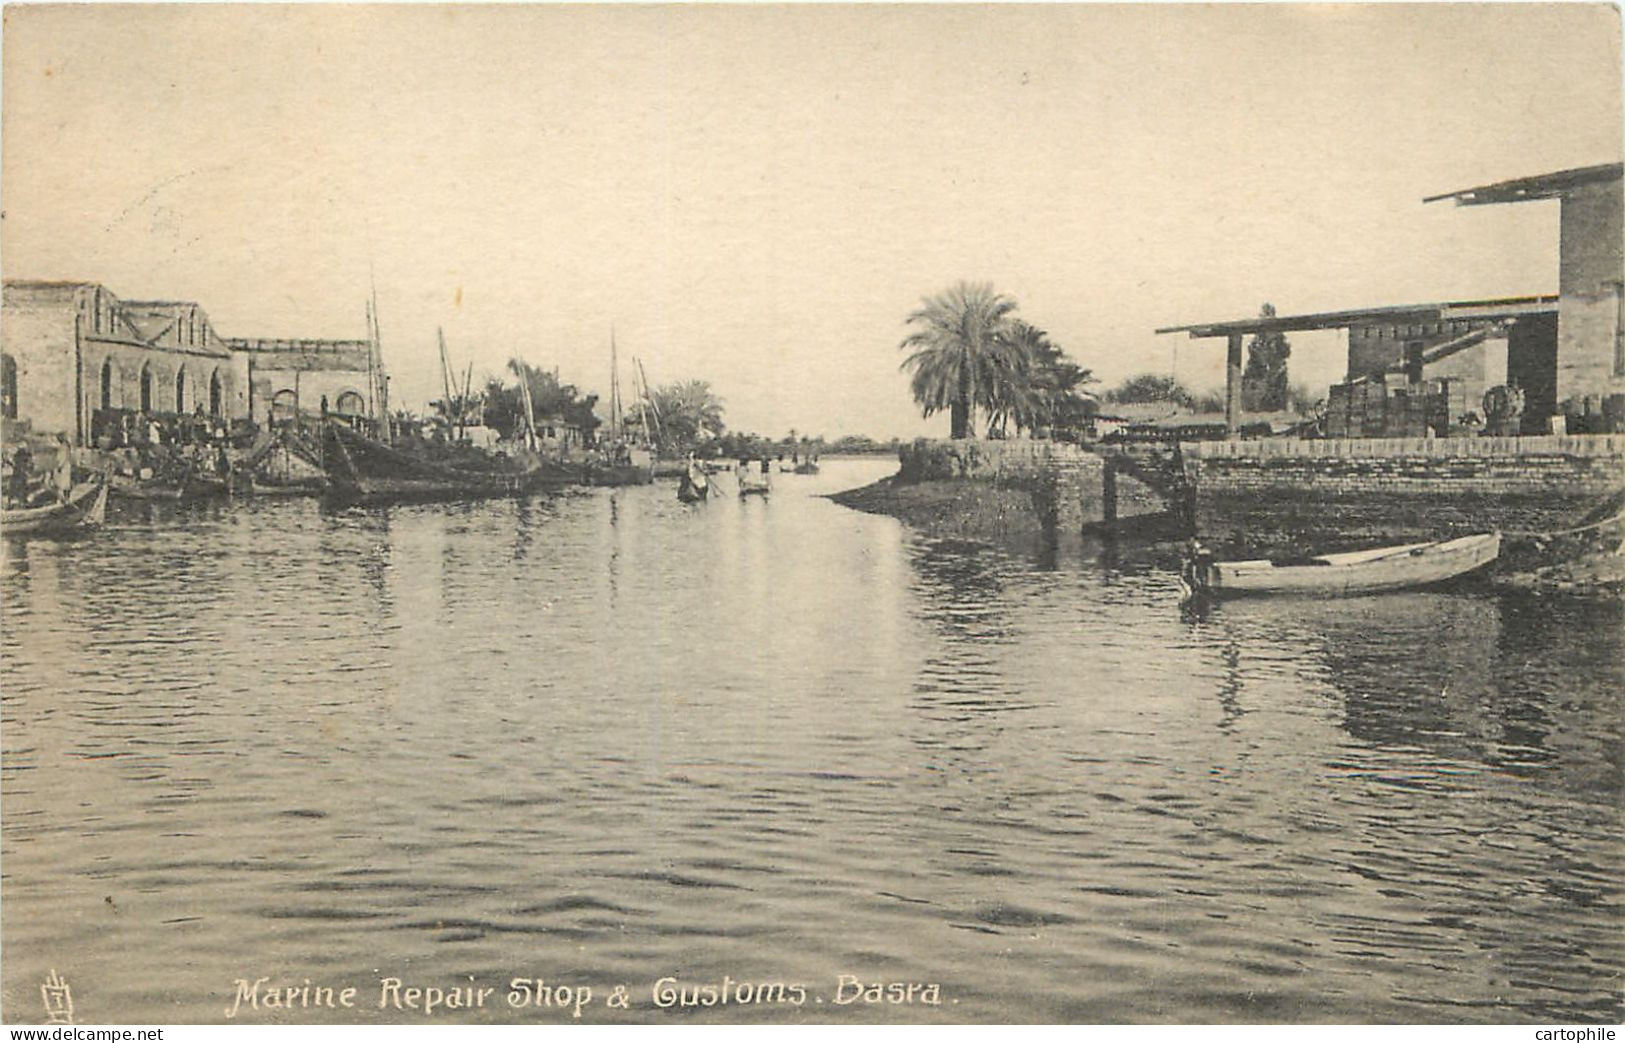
1359	489
41	341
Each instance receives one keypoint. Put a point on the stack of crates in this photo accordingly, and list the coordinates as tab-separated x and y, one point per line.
1371	408
1339	407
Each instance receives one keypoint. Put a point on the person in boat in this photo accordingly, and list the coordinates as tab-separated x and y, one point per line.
21	476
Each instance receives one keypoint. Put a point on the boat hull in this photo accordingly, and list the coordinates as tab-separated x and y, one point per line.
1360	572
85	507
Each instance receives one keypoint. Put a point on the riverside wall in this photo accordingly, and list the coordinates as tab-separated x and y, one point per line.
1072	487
1363	488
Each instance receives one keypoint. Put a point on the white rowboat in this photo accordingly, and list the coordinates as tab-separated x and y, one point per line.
1355	572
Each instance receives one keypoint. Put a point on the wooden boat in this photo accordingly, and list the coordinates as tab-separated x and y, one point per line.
752	483
361	470
187	487
85	507
693	486
596	473
806	467
1356	572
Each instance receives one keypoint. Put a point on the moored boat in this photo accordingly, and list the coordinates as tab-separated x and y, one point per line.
754	484
84	507
1354	572
367	471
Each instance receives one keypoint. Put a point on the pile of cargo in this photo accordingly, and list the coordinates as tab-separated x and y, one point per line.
1393	407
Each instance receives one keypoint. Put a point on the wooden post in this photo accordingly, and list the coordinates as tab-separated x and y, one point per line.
1108	493
1232	388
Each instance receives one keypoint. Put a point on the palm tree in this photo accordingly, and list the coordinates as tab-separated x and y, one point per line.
689	411
959	352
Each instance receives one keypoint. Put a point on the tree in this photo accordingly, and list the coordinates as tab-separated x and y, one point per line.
956	351
1151	387
1264	381
1052	385
688	412
504	402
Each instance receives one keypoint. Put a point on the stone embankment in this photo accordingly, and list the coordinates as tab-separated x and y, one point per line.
998	491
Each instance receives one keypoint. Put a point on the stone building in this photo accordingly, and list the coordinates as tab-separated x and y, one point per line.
289	376
71	352
1565	353
1587	338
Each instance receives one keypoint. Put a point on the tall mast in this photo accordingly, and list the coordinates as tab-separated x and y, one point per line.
614	389
445	375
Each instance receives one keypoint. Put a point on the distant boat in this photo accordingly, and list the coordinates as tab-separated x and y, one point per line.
85	507
807	467
1355	572
754	483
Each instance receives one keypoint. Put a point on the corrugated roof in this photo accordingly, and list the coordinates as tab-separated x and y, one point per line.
1540	186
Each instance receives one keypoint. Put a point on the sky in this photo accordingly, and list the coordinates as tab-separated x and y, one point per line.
759	195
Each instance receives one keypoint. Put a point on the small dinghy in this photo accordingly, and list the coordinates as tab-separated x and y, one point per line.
1331	575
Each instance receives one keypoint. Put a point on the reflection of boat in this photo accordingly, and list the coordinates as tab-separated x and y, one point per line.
85	506
361	469
1356	572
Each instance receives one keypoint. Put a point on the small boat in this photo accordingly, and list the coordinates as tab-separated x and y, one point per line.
755	483
807	467
693	486
85	506
1355	572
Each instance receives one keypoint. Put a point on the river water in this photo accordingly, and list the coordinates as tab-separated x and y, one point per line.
601	738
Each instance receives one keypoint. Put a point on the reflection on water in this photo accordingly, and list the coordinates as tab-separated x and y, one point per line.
604	737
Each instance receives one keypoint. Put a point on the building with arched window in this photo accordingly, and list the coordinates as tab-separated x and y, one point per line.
81	352
77	357
289	376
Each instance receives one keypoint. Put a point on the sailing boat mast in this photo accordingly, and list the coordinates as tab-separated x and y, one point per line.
445	376
614	390
654	407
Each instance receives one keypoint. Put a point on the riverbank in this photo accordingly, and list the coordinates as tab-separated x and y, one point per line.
951	508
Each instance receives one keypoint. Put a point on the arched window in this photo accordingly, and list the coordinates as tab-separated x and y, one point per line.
351	404
180	390
107	384
284	405
146	388
8	387
214	394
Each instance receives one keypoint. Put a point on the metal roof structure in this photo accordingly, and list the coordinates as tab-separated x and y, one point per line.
1445	311
1541	186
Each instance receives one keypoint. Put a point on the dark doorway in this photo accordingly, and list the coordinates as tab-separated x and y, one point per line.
214	394
146	389
1532	366
107	384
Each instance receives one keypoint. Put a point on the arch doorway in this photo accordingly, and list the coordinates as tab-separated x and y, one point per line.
180	390
107	384
214	394
351	404
146	389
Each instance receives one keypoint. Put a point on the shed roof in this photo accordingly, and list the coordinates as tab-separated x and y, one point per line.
1540	186
1443	311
